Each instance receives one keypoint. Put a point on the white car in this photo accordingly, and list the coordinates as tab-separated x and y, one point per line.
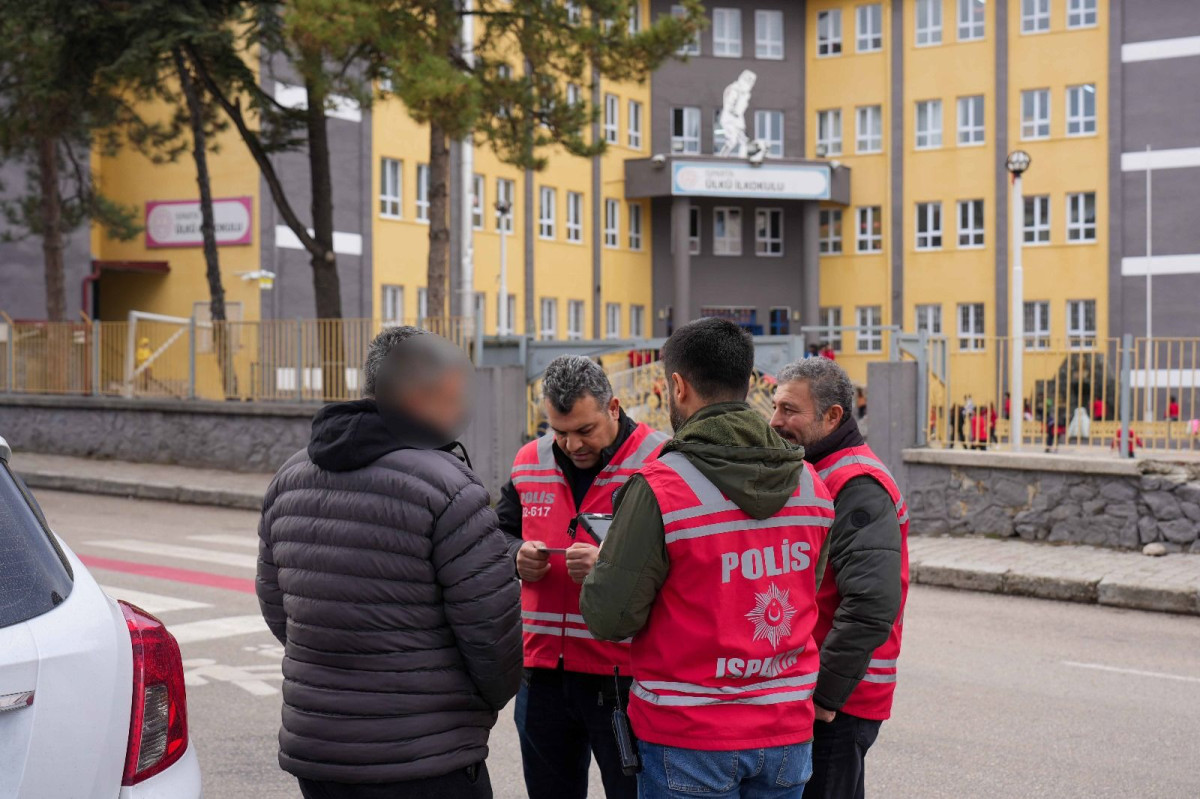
92	702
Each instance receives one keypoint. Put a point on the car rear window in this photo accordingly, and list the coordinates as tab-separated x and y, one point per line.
34	575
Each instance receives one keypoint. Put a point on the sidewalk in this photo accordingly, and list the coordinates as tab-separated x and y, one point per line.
1070	573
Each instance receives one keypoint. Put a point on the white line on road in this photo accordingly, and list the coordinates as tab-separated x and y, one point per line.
154	603
175	551
212	629
226	538
1135	672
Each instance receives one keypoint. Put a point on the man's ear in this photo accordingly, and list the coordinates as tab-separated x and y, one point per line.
614	408
679	387
836	414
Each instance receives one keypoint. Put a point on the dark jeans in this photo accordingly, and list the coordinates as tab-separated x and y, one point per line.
468	783
563	718
839	751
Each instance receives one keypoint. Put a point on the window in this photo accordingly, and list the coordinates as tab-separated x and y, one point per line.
1035	16
768	231
1081	216
549	319
389	188
970	19
505	190
612	223
779	322
869	129
929	124
929	319
1035	114
637	321
718	132
574	12
574	216
831	320
829	240
612	320
727	33
423	192
929	22
685	130
1081	110
478	198
505	326
612	118
33	571
422	303
970	326
635	226
929	226
869	336
768	35
481	310
869	28
1037	325
546	212
574	94
694	231
727	231
634	131
970	120
692	47
1081	13
768	126
1037	219
970	223
829	32
829	132
870	229
391	304
574	320
1081	323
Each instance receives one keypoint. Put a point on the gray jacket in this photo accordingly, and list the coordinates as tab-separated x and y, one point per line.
383	572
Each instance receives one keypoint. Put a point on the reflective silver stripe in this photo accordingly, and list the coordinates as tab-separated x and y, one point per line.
728	505
849	460
876	663
545	450
694	701
701	486
575	632
687	687
575	617
538	478
620	478
879	677
903	517
536	616
538	628
638	457
748	524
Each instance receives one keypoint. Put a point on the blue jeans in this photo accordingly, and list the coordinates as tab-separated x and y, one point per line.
775	773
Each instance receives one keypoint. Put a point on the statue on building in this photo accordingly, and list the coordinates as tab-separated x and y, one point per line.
733	115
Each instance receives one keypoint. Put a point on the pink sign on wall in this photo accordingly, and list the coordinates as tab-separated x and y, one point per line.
176	223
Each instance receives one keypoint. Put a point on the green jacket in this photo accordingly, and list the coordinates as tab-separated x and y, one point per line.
734	447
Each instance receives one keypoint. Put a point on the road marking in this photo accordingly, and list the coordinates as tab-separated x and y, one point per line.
154	603
250	541
212	629
1135	672
176	551
242	584
251	679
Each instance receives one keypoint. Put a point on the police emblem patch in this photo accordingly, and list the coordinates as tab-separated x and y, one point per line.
772	615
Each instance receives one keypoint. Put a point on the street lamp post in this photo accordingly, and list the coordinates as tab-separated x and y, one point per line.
1018	161
503	209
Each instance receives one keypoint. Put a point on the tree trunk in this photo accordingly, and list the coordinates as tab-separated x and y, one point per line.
439	226
52	244
326	287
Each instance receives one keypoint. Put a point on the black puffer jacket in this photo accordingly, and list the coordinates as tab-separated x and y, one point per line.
382	570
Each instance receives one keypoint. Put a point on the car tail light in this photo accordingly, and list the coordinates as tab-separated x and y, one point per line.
158	722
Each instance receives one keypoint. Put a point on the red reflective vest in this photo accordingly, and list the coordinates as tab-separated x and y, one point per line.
727	658
554	629
872	699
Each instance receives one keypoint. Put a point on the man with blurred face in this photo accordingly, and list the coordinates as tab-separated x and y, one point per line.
864	568
567	695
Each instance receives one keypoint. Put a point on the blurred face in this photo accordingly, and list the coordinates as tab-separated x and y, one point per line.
589	428
443	402
796	418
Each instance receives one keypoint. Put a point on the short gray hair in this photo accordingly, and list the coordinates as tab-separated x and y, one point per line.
569	377
378	350
827	382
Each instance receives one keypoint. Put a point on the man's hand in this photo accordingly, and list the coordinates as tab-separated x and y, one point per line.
823	714
532	564
581	558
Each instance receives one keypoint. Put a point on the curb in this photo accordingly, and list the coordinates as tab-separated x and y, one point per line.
162	492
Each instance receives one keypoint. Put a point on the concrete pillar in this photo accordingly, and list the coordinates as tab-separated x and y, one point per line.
681	259
893	413
810	264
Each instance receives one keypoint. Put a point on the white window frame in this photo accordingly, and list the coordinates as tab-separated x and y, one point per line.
831	319
1079	335
635	226
729	219
928	23
548	319
972	18
929	226
868	28
1035	114
575	217
829	131
1035	16
971	121
1079	121
829	33
637	321
576	319
391	304
612	223
971	326
505	191
766	244
864	233
929	318
692	47
868	337
422	303
765	123
391	193
423	193
1082	14
829	236
512	315
868	129
685	142
574	94
612	118
768	35
633	131
1037	233
1037	324
612	320
695	222
478	199
727	32
547	213
574	12
928	125
1079	229
971	223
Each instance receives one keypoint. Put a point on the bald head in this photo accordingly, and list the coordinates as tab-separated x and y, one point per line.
421	375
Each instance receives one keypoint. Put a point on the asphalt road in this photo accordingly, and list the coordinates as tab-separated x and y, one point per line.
998	696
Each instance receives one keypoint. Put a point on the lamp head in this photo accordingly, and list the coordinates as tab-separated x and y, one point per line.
1018	161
